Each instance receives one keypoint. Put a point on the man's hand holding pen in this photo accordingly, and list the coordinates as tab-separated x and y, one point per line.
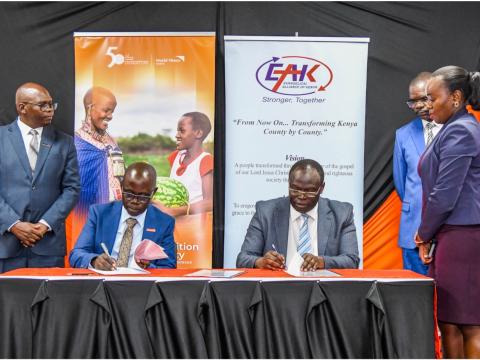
104	261
271	260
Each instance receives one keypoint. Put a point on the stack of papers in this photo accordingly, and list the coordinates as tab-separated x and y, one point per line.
149	250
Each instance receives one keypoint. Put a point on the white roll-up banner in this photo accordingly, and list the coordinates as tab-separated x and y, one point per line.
290	98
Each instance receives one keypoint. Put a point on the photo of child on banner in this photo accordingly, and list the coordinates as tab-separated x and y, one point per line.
192	166
188	193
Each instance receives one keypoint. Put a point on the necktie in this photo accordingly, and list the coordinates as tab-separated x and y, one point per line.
304	245
429	127
126	244
33	149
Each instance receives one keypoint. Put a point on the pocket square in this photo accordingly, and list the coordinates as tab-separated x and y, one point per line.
151	230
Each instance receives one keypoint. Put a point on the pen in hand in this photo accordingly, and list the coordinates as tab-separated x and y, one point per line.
105	251
275	249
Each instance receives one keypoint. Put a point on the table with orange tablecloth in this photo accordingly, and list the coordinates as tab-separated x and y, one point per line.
258	314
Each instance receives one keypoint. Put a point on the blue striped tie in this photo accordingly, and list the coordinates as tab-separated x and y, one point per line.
304	245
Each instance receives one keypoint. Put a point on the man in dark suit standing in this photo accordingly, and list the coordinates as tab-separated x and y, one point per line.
122	225
320	230
39	183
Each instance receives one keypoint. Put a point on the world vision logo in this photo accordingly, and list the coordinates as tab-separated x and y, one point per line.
294	75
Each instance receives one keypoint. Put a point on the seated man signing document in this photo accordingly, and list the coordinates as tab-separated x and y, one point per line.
319	230
122	225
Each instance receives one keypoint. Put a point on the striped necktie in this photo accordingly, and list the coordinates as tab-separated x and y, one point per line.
32	152
304	244
429	126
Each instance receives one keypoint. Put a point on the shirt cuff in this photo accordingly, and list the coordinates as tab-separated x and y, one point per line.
46	224
16	222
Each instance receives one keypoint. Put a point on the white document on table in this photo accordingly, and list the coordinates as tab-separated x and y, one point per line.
214	273
318	273
295	264
122	271
294	269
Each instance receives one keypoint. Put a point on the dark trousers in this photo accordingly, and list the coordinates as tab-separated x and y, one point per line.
28	259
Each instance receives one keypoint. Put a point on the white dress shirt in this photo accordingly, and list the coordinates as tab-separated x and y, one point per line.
137	235
27	138
435	129
294	224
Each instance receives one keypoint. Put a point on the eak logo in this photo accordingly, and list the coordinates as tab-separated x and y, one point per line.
294	75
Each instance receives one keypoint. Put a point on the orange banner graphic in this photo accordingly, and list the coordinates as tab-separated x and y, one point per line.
148	97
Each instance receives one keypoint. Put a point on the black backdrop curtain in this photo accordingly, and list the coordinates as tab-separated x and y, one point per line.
36	42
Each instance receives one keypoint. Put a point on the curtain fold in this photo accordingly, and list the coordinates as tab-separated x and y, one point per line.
71	319
16	341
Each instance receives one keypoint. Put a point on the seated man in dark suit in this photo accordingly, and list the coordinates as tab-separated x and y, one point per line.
121	228
320	230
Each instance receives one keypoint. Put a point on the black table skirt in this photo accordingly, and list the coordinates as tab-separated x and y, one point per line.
221	319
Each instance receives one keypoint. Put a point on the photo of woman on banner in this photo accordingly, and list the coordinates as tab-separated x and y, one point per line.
100	159
192	165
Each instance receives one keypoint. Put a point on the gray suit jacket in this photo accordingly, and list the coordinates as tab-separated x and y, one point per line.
337	237
49	194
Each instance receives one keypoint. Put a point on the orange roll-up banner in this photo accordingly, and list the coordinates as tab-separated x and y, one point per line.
131	92
380	236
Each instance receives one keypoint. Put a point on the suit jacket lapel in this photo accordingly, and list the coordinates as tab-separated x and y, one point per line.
281	218
19	146
324	225
417	135
112	221
45	145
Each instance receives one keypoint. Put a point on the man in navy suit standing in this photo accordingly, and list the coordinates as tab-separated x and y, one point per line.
39	183
410	142
122	225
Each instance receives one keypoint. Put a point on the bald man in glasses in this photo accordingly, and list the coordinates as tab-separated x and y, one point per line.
320	230
39	183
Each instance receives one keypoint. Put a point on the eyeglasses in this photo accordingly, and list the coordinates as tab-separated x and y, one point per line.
307	194
411	103
140	198
44	106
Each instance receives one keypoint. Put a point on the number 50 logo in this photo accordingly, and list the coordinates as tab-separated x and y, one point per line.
117	59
